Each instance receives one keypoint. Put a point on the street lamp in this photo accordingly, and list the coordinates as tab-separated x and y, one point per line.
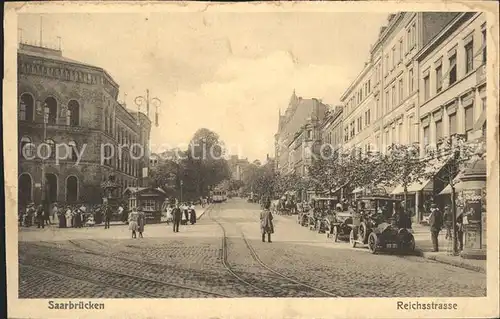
140	101
45	121
156	102
182	183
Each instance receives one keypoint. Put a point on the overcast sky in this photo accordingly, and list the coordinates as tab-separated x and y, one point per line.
228	72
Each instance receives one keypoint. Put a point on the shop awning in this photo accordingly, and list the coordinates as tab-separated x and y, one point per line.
425	185
433	167
463	186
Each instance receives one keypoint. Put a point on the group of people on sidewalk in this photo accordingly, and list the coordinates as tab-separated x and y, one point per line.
67	215
439	220
181	214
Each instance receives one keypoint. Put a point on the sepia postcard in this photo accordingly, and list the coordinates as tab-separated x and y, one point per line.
333	159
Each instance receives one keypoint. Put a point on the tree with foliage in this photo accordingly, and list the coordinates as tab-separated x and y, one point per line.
403	166
167	176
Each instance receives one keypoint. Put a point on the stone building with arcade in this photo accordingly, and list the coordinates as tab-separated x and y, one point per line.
71	128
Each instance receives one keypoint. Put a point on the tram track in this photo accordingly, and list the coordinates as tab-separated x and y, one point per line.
224	258
259	261
112	278
138	280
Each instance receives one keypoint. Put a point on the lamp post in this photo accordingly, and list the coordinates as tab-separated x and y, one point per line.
140	101
45	111
182	183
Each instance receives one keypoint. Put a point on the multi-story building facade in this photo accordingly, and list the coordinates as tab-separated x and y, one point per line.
452	88
332	130
84	129
299	133
380	106
358	109
452	81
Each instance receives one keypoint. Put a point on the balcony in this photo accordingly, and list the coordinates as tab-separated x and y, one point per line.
481	74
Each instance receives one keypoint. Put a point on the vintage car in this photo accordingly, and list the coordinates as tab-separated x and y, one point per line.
375	227
321	207
338	225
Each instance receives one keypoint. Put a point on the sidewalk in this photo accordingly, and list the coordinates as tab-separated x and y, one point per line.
199	211
423	248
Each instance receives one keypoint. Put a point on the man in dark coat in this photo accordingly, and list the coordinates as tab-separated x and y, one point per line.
40	216
435	223
107	215
177	216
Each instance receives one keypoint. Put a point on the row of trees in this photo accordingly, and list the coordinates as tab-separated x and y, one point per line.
401	166
191	173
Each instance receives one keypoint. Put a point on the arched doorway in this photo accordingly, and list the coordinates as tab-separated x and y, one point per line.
24	189
71	189
51	188
51	105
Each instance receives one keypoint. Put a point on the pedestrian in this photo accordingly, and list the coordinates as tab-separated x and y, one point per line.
447	220
141	221
460	229
40	218
169	209
61	216
55	210
107	216
69	216
435	223
177	215
266	221
121	213
192	214
46	216
185	210
28	216
132	222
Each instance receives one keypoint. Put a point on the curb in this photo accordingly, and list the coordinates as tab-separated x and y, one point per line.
456	263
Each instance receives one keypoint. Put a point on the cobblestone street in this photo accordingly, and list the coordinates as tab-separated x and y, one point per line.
222	256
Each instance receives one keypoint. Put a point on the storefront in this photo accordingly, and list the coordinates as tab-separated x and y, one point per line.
149	199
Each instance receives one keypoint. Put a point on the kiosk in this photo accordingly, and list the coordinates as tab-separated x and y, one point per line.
150	199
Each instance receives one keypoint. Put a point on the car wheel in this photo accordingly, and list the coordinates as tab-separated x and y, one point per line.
363	229
352	240
372	243
335	234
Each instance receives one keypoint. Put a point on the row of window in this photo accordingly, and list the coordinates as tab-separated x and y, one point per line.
28	111
351	131
397	52
452	125
358	97
451	73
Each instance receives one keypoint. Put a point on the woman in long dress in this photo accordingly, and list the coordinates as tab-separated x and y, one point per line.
141	221
69	216
132	222
266	221
192	214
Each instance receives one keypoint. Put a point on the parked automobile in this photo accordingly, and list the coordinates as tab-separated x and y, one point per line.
374	226
338	226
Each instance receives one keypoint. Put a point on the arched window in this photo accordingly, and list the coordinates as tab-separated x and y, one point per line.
26	107
73	155
71	189
74	113
26	148
51	110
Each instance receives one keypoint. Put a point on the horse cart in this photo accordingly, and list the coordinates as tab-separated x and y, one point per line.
374	226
